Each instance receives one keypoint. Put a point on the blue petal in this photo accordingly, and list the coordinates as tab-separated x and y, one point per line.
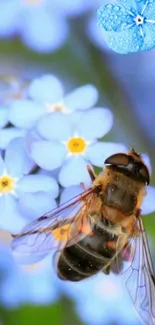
96	34
113	17
25	113
74	171
147	161
10	218
8	134
99	151
8	17
82	98
130	4
16	158
36	183
48	154
34	205
43	37
2	166
149	36
95	123
148	206
70	192
4	111
47	89
55	126
126	41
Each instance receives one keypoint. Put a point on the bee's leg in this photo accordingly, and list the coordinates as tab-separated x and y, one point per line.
91	173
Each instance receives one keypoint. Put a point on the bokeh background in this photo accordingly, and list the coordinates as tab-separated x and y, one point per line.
61	37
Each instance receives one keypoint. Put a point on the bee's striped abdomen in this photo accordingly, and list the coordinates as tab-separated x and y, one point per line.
87	257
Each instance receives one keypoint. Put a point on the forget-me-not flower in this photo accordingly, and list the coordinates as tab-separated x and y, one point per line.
129	25
23	197
59	142
25	17
45	96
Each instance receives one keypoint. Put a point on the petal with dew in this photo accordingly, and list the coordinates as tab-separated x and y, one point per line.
82	98
47	89
8	134
74	171
34	205
148	205
25	113
95	123
99	151
55	126
4	112
17	160
10	218
36	183
48	154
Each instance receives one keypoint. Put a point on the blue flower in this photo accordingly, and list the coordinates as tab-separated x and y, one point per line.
59	142
23	197
24	18
129	25
47	96
15	277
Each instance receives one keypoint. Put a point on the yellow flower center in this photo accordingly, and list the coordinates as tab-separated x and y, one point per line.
57	107
76	145
62	233
6	184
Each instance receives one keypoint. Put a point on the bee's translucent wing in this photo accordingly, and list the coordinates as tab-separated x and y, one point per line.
138	276
60	227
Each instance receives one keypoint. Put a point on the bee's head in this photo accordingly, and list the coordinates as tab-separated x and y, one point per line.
130	164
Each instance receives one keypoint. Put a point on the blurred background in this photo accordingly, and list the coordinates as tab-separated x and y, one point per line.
61	37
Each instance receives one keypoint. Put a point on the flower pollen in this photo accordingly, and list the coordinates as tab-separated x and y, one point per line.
56	107
6	184
76	145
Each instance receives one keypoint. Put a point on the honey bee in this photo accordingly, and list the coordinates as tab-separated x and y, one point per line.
101	230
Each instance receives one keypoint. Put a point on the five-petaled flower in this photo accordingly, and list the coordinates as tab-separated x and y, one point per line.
60	142
23	197
129	25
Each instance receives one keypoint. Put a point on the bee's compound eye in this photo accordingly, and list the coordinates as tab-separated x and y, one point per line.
144	173
120	159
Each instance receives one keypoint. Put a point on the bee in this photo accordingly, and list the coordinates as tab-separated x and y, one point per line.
101	230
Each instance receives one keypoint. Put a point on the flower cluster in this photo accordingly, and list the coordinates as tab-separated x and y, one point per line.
47	139
41	24
129	26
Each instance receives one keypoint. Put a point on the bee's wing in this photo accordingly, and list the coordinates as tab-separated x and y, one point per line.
60	227
139	277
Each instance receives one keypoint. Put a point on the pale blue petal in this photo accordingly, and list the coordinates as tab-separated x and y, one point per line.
4	111
8	134
55	126
114	18
147	161
148	206
34	205
125	41
70	192
25	113
95	123
149	12
149	35
8	17
130	4
10	218
2	165
96	34
17	160
36	183
45	37
99	151
82	98
48	154
47	89
74	171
